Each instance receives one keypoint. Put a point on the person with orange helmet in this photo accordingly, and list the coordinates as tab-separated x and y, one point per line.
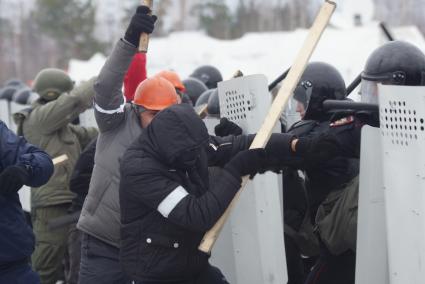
174	79
119	123
153	95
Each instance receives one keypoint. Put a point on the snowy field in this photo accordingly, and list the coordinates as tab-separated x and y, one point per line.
267	53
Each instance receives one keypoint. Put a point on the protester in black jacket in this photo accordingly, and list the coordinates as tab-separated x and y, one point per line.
80	178
166	202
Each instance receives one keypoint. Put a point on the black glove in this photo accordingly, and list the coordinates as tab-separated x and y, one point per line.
247	162
12	179
278	152
140	23
317	149
278	145
226	127
368	117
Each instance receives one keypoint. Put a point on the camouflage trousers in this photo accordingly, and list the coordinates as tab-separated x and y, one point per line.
50	245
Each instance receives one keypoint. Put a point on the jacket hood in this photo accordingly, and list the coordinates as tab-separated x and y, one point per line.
173	131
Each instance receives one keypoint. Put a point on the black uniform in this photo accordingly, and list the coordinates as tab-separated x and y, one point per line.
304	196
329	176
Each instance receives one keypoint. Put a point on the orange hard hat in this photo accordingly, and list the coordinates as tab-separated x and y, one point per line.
174	78
155	93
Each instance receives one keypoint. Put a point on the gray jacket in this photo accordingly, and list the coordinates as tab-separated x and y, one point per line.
119	125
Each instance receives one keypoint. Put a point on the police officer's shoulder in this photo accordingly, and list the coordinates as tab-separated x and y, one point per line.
303	127
302	124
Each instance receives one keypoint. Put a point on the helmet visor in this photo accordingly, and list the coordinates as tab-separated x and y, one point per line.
369	92
289	114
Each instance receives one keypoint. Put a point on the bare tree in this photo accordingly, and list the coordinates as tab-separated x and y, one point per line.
183	15
406	12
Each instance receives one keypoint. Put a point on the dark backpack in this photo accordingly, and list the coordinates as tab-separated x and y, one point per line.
336	219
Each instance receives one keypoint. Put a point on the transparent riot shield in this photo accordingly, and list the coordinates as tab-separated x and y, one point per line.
251	248
289	115
402	119
371	258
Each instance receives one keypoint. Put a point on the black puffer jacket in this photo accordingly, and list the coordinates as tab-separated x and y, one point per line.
80	178
166	211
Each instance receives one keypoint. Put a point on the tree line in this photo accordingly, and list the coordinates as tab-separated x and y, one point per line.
54	31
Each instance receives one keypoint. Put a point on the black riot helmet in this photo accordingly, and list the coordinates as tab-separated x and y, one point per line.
194	88
204	97
22	95
15	82
209	75
7	92
394	63
320	81
213	107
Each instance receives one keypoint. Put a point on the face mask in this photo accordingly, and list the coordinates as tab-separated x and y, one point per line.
187	159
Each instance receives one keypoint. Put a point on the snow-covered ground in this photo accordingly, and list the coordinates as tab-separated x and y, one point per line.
267	53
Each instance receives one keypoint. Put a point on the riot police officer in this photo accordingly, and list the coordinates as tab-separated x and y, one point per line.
319	82
394	63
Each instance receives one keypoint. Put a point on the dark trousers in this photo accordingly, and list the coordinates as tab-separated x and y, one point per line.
294	262
73	255
18	274
100	263
331	269
211	275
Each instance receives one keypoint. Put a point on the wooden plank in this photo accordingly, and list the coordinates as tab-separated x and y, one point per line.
278	105
60	159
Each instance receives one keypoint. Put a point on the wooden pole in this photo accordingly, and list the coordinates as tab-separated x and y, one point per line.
144	37
279	103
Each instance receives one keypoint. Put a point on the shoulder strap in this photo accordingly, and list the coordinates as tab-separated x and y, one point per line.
302	127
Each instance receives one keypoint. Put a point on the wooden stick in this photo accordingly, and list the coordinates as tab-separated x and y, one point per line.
279	103
201	110
144	37
60	159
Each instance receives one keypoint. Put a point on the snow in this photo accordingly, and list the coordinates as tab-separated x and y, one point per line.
267	53
83	70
